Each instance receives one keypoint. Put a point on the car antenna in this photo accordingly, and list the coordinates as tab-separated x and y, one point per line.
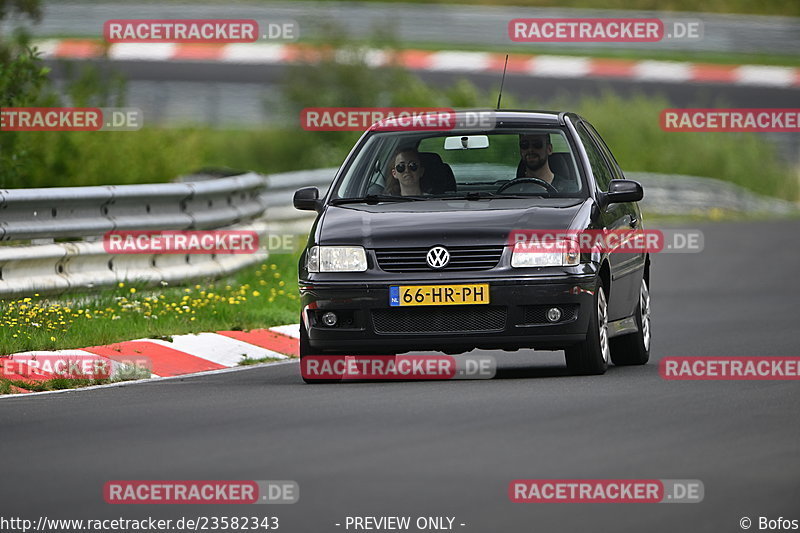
502	80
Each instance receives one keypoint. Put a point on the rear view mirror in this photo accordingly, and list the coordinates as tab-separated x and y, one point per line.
467	142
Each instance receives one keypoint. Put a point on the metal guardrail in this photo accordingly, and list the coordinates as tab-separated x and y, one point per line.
89	211
43	215
676	194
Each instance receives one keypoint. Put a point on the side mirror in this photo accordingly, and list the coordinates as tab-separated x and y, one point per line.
307	199
621	191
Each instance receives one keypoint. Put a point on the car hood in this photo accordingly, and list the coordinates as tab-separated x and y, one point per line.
446	222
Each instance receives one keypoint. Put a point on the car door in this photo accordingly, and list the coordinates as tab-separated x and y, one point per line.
625	267
633	213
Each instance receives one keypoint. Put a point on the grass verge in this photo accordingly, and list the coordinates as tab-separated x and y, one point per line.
260	296
10	386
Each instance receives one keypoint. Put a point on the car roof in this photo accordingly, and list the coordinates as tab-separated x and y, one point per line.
527	116
521	117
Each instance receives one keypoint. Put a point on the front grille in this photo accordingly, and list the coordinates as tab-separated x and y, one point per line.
461	258
465	319
537	314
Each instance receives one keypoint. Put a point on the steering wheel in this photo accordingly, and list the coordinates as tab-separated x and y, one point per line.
535	181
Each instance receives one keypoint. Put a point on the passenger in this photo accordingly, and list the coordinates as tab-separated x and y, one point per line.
534	151
406	173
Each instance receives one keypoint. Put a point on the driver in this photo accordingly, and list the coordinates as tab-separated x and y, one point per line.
534	151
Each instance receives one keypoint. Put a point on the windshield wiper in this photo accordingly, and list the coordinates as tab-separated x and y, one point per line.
482	195
375	198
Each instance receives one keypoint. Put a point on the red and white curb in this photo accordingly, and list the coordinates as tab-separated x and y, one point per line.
183	355
553	66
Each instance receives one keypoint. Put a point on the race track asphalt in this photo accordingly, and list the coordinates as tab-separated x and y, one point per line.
451	448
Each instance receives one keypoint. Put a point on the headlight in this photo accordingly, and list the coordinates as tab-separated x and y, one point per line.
561	252
336	259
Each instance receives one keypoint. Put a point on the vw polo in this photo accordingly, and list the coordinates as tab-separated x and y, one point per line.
415	245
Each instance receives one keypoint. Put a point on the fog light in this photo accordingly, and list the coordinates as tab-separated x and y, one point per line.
329	319
554	314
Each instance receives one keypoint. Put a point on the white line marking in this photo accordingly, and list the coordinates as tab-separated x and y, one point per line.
290	330
662	71
460	61
253	53
560	66
48	47
765	75
217	348
142	51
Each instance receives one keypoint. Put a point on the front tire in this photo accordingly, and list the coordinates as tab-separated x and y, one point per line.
591	356
634	349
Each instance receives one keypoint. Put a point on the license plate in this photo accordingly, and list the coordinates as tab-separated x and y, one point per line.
476	293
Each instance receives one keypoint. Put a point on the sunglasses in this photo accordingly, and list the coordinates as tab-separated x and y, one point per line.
402	167
537	145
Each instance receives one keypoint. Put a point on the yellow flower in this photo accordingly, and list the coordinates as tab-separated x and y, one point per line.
256	293
133	290
120	284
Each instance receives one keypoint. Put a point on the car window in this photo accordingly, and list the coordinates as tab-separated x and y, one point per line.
600	169
448	172
615	168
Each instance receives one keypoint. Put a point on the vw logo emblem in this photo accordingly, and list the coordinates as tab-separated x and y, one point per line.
438	257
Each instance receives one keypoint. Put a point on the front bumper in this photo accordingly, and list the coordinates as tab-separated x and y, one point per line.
514	318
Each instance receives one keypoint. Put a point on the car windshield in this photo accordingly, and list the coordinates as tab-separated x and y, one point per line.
532	162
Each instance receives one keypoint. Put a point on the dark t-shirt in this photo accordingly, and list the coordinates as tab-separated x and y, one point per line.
564	183
561	182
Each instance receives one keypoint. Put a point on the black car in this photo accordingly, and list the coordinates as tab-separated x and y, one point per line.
414	248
